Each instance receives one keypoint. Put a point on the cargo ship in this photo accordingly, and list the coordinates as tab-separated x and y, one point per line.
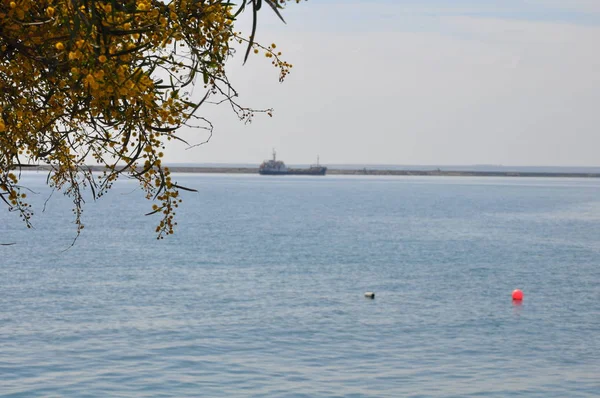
277	167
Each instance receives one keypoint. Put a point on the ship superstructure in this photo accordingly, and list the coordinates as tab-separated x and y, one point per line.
273	166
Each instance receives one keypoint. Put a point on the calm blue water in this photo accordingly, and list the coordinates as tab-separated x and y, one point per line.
260	292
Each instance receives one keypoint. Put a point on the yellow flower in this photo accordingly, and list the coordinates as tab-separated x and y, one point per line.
50	11
102	58
99	75
13	4
59	46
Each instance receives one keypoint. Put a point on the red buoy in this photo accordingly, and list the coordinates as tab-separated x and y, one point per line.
517	295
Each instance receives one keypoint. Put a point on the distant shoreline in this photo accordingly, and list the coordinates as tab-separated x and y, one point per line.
364	172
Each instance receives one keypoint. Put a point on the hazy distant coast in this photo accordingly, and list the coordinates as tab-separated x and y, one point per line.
371	172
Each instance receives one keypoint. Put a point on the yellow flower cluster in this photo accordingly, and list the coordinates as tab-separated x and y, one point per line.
106	82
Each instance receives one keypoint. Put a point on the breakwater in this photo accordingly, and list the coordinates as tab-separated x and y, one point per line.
462	173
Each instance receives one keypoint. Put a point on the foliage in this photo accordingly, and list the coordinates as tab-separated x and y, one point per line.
109	82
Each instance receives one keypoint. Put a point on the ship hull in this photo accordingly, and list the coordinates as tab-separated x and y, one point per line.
272	173
314	171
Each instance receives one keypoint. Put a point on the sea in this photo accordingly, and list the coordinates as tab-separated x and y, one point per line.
260	292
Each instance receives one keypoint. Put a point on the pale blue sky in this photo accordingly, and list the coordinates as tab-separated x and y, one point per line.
512	82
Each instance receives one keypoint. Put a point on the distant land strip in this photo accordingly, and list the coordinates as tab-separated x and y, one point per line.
360	172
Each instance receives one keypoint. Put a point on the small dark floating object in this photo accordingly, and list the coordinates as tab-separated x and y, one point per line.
370	295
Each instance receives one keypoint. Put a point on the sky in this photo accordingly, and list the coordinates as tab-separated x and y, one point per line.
417	82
